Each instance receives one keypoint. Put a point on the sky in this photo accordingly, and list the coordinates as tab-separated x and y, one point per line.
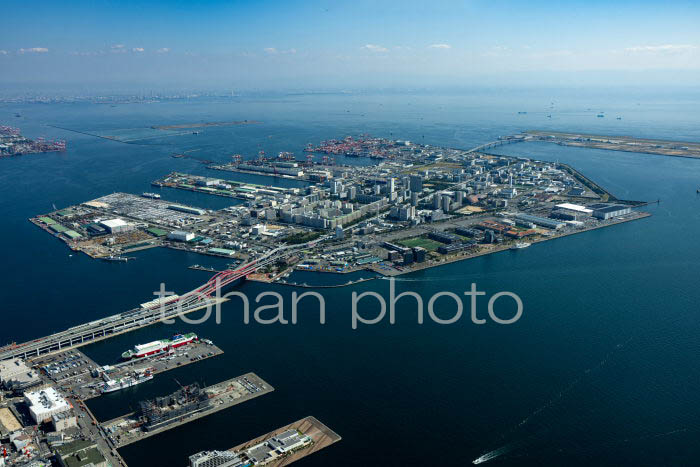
334	45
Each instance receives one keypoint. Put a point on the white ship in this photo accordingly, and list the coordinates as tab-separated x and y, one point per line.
520	245
151	195
124	382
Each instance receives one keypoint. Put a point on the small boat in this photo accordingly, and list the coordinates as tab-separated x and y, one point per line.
520	245
619	118
116	258
600	115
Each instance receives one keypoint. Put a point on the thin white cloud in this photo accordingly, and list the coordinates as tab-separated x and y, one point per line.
3	52
33	50
163	50
375	48
118	49
440	46
666	48
275	51
137	49
497	51
88	54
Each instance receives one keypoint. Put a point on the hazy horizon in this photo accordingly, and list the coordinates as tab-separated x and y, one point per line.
274	45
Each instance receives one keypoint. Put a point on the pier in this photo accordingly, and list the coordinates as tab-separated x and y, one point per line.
133	427
278	448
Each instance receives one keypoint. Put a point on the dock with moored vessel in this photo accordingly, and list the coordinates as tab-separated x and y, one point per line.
187	404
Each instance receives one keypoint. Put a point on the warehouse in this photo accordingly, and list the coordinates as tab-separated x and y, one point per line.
180	236
187	209
541	221
117	226
608	211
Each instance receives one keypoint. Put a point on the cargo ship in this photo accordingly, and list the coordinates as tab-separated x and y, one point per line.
152	348
124	382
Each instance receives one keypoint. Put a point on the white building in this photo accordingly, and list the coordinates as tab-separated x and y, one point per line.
180	236
116	226
574	207
45	403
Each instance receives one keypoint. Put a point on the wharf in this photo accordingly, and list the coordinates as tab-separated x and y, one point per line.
232	168
320	434
497	248
127	429
83	380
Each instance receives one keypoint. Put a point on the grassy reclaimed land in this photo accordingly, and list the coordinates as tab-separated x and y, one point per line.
428	244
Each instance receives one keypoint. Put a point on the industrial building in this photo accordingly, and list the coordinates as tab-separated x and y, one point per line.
45	403
216	459
258	454
180	236
64	420
187	209
117	226
606	211
15	375
541	221
80	453
443	237
454	247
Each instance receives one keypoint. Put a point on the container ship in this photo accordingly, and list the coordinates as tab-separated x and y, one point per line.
144	350
124	382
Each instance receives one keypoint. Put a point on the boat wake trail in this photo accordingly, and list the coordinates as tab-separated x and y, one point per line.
491	455
557	397
551	402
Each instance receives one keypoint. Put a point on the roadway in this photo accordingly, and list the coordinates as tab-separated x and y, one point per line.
197	299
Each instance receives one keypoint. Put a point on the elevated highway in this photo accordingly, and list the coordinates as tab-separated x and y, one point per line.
197	299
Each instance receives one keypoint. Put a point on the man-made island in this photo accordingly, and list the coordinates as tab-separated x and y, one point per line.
419	206
616	143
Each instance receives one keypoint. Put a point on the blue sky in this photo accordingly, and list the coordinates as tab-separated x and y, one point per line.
330	44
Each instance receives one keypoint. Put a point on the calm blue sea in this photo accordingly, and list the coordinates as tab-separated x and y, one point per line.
602	369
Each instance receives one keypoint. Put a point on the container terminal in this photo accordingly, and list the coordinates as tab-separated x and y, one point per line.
183	406
276	449
12	143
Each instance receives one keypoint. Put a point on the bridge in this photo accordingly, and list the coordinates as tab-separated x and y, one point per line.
493	144
197	299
